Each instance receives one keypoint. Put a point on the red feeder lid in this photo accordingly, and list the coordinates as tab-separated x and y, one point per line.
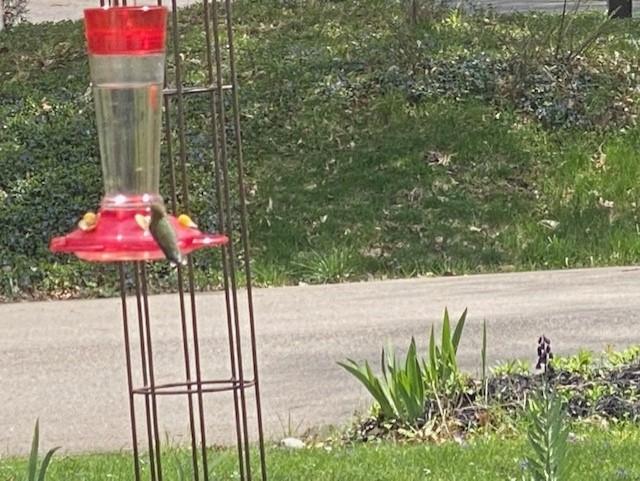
125	30
118	237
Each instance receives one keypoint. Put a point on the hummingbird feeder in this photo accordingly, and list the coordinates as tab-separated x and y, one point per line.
126	59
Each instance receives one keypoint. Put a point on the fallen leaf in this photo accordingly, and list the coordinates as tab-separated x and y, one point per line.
549	224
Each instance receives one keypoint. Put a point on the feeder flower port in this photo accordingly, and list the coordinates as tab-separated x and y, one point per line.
126	60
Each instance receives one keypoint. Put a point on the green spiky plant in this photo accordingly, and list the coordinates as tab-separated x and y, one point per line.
35	473
547	435
547	430
441	366
402	390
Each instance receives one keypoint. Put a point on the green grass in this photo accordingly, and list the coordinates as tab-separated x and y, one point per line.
346	112
597	455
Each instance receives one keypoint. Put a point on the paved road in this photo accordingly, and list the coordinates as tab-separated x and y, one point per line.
540	5
53	10
63	361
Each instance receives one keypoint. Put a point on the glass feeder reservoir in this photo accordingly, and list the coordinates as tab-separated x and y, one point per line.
126	60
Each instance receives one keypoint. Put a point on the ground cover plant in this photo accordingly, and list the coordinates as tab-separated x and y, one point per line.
377	146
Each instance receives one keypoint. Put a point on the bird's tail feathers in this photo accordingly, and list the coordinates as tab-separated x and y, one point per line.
182	261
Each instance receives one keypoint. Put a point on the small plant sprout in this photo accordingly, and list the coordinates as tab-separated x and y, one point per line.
547	430
511	368
337	265
290	428
35	473
547	434
582	362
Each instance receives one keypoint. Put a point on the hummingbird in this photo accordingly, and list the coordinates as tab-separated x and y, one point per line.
162	232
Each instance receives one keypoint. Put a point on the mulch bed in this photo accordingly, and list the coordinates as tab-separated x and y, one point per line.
609	393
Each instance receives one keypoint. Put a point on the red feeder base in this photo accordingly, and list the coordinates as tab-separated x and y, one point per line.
118	237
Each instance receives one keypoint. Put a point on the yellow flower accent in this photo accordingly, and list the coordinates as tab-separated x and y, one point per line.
88	222
185	221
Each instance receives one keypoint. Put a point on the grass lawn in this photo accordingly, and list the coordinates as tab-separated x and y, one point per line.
468	143
597	455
